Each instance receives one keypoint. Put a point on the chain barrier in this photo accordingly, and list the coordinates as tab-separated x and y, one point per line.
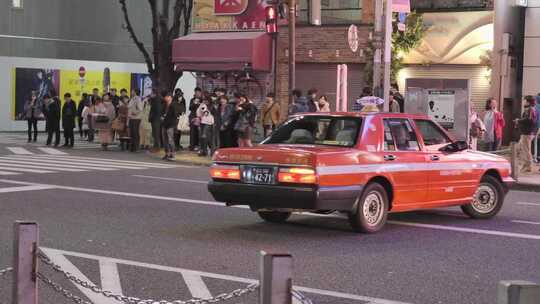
301	297
131	300
66	293
5	271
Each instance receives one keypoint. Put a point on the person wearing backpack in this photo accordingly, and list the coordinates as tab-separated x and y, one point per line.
476	129
527	129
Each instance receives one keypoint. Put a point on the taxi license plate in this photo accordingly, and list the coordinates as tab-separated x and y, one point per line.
259	175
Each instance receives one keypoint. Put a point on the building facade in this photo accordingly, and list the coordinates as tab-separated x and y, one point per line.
531	62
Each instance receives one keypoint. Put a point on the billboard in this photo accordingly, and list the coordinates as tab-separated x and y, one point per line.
228	15
76	82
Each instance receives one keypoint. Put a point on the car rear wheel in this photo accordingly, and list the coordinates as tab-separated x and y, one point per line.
372	210
274	216
487	200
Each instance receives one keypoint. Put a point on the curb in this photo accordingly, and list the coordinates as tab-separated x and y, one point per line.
201	162
525	187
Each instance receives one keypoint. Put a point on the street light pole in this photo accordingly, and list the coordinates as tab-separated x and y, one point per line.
292	48
377	42
387	54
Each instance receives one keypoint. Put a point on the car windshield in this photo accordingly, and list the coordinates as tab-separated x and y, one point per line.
317	130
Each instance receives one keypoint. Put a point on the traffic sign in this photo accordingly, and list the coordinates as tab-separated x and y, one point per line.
352	37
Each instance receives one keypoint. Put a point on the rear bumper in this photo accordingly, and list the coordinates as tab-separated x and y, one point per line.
285	197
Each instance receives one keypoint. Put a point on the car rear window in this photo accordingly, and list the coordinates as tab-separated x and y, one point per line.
317	130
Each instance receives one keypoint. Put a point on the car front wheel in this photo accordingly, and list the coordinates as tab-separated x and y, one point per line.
274	216
372	210
487	200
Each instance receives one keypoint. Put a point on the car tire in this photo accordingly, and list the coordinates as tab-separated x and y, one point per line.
487	200
371	211
274	216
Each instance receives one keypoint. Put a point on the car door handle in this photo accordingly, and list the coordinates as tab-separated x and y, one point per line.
390	157
435	158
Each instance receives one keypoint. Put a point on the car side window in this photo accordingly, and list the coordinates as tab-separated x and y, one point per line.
431	133
399	135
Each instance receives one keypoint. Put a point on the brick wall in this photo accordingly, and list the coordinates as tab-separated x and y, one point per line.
323	44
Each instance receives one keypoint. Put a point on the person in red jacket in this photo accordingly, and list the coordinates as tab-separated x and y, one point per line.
494	122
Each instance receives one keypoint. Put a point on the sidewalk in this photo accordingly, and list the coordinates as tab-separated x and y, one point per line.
529	181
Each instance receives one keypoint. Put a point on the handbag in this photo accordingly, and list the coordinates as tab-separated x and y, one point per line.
183	123
196	121
102	119
117	125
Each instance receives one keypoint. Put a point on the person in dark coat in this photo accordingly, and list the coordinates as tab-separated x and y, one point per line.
156	106
313	103
179	104
80	119
69	112
194	121
32	112
53	120
169	123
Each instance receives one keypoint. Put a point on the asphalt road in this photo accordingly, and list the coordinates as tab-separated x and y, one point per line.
138	230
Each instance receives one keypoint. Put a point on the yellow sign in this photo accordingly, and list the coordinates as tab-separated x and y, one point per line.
71	82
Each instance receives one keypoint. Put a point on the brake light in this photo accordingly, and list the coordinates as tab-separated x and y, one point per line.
297	175
225	172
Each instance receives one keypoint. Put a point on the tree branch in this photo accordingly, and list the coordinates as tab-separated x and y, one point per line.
136	40
155	34
187	16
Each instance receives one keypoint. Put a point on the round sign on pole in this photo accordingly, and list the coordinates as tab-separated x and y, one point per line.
352	37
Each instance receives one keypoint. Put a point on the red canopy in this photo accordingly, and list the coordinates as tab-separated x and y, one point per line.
224	51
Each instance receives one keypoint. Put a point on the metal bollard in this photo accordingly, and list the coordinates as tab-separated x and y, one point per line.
25	262
276	278
518	292
514	162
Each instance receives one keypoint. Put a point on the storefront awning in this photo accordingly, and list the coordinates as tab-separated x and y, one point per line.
225	51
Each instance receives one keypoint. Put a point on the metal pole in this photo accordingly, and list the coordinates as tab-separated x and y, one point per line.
292	48
25	262
514	162
276	278
518	292
387	54
377	37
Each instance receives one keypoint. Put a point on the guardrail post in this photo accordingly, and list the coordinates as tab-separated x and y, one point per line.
518	292
25	262
514	163
276	278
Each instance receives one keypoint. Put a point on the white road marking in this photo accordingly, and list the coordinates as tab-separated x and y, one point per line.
36	166
528	204
27	170
25	188
5	173
115	161
217	204
88	163
173	179
73	165
19	150
468	230
196	285
525	222
59	259
342	295
110	279
52	151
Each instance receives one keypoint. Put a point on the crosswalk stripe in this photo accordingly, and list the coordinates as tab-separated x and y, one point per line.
24	188
157	165
7	164
196	285
82	163
5	173
110	279
19	150
25	170
99	162
55	163
52	151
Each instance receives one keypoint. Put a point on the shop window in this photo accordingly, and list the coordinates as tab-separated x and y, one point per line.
333	12
17	4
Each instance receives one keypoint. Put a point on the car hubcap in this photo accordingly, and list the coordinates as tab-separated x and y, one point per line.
485	199
373	208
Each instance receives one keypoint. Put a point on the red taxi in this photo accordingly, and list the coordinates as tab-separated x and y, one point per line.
362	164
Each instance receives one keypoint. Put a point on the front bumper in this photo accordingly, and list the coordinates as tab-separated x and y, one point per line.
285	197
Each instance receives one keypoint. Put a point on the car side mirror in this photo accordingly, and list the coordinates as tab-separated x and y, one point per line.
454	147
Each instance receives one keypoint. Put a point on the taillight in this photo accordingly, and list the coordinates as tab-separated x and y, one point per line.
297	176
225	172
